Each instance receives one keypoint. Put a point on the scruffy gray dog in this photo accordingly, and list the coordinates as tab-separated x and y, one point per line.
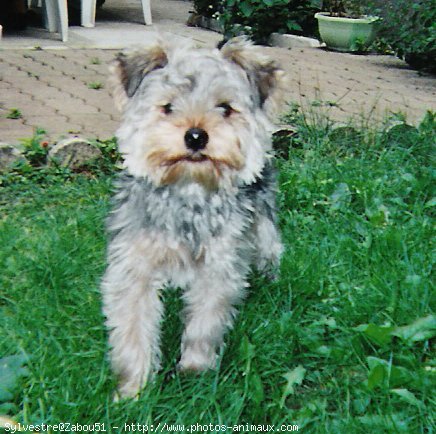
195	202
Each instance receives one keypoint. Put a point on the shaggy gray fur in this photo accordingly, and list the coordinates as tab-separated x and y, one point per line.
193	219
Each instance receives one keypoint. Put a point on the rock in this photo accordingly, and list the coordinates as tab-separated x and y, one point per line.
209	23
345	135
73	153
401	134
8	156
283	140
293	41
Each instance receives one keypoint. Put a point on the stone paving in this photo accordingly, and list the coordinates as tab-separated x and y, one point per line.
63	89
52	91
366	88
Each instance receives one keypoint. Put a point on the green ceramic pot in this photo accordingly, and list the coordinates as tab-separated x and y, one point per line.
346	34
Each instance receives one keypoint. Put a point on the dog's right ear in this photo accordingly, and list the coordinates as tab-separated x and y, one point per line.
128	70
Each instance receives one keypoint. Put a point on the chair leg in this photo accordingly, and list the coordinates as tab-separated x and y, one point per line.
50	15
147	12
56	17
63	19
88	13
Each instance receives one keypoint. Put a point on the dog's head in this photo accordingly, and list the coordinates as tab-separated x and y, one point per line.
196	115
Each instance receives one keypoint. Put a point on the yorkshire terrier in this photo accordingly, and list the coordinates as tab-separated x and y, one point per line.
195	203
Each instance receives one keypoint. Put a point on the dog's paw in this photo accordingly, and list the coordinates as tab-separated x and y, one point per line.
269	258
272	273
269	267
196	361
127	391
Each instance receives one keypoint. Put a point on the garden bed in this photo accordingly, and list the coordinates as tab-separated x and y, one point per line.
275	39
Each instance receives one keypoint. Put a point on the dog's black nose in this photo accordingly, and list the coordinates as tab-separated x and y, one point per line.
196	139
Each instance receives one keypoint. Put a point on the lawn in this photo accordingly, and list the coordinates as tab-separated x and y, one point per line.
340	343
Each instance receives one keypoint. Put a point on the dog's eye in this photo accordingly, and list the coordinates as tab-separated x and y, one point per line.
167	109
228	110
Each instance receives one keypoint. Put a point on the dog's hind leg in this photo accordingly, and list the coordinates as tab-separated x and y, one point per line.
268	246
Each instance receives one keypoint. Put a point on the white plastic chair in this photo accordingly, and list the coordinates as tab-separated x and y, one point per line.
56	15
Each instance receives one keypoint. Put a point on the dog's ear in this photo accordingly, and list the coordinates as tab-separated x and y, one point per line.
264	73
128	70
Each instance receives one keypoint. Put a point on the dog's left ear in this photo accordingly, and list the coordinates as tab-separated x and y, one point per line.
264	73
128	70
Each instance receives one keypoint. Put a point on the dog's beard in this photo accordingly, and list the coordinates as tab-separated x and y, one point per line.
203	172
202	169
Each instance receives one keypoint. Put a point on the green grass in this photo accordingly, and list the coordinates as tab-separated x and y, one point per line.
341	343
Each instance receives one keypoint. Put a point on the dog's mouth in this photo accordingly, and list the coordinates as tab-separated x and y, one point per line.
200	160
195	158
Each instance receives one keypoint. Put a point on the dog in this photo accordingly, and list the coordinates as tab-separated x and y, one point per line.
195	203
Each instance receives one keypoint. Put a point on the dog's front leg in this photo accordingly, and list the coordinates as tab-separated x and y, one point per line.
133	310
210	310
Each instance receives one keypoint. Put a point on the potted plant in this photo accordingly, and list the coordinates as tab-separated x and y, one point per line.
344	26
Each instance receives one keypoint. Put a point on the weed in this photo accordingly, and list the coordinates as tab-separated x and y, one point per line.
14	113
96	85
35	148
